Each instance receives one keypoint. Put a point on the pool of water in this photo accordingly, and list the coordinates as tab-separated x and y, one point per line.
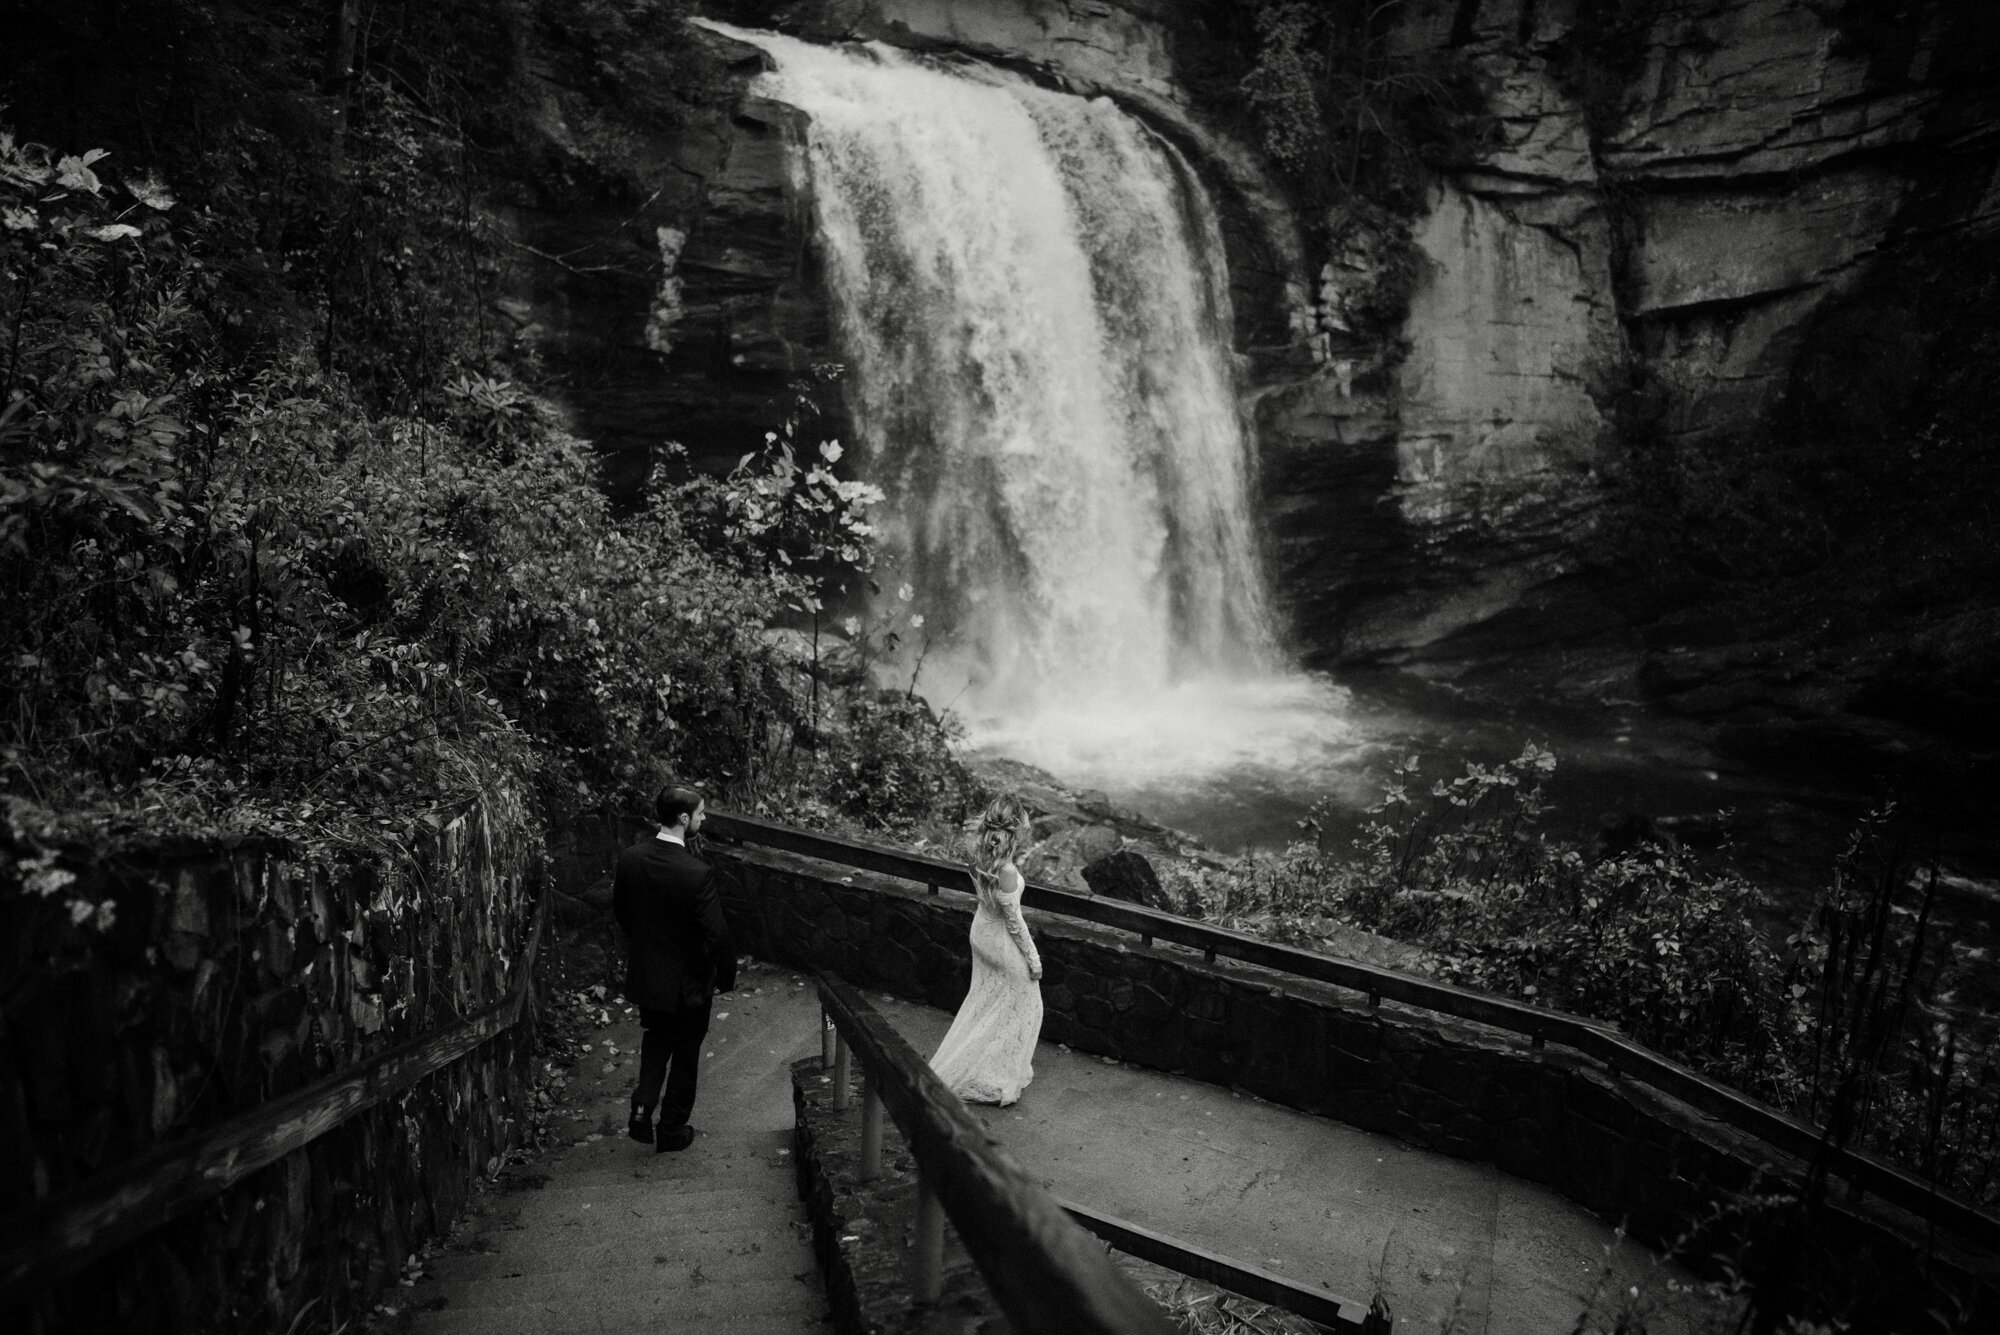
1240	764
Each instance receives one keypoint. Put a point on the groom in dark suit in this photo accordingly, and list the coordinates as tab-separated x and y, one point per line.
664	899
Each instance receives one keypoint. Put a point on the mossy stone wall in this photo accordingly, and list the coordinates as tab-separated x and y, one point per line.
228	977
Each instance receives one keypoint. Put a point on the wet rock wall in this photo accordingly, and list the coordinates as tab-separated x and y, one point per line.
661	273
1669	194
196	984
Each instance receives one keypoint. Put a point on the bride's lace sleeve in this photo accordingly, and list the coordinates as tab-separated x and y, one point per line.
1007	897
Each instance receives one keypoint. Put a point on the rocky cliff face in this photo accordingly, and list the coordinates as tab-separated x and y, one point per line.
1729	168
1739	166
664	273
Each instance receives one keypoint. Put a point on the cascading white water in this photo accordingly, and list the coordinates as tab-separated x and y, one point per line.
1031	297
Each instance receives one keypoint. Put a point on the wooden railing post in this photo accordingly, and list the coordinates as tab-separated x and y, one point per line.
871	1127
827	1039
843	1065
927	1245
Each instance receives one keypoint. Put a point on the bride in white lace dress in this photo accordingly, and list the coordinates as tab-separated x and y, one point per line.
988	1056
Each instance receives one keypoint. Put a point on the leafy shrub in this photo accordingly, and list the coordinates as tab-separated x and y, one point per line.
345	166
1648	940
1902	1055
787	519
785	513
293	540
1858	1020
891	765
293	608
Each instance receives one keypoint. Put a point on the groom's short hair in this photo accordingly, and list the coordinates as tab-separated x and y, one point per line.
675	801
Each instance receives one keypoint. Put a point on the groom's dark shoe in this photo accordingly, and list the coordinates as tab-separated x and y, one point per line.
640	1127
673	1138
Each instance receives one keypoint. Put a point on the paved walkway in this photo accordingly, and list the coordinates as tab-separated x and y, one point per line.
1456	1246
604	1235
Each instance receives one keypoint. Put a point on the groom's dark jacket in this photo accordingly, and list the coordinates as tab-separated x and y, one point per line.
664	898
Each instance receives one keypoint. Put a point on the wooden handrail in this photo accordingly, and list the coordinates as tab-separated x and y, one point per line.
1372	980
1045	1271
1593	1038
114	1209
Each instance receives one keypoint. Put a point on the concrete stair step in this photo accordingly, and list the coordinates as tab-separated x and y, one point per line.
681	1196
656	1220
620	1151
695	1323
616	1211
746	1252
640	1163
681	1314
702	1162
599	1301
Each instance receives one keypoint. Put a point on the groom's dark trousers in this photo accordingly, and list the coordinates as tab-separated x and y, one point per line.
664	899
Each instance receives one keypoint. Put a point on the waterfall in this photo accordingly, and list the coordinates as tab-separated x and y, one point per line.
1033	306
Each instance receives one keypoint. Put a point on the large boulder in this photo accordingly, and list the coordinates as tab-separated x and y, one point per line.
1060	858
1128	876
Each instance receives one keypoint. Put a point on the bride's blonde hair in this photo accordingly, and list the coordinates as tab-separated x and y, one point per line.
1000	835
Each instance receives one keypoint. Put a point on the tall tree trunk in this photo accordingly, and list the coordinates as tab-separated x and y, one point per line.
343	30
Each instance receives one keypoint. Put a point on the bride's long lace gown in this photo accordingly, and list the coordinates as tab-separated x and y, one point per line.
988	1055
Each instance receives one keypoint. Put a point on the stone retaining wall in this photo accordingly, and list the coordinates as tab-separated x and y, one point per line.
1672	1175
861	1230
219	979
